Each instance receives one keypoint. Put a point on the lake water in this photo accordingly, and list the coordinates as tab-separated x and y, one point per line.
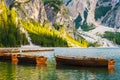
9	71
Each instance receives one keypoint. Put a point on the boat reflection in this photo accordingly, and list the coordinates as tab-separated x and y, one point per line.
82	73
41	65
111	70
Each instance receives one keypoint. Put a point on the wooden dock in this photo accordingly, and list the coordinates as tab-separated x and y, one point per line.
15	56
15	50
22	58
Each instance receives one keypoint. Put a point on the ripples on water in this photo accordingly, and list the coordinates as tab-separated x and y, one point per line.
10	71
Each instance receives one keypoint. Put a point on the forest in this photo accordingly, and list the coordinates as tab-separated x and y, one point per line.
44	35
54	3
113	36
10	34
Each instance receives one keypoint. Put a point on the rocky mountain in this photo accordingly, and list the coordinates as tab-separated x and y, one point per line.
78	12
42	11
90	11
81	19
29	9
112	16
95	17
45	23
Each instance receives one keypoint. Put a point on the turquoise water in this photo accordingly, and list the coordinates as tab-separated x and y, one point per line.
9	71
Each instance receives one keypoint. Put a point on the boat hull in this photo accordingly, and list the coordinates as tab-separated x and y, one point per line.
26	59
83	62
5	57
21	58
32	59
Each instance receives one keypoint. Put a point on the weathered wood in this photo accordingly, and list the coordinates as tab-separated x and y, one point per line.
23	58
38	50
111	68
84	61
41	60
5	57
9	51
14	59
18	50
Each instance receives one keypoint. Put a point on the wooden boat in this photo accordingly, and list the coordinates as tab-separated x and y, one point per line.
5	57
83	61
22	58
18	51
31	59
9	51
42	50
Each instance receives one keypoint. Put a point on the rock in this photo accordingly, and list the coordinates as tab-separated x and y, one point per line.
61	17
109	16
36	10
29	9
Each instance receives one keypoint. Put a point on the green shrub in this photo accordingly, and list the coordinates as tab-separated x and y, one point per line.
54	3
101	11
43	36
86	27
10	35
113	36
68	2
78	21
106	0
95	44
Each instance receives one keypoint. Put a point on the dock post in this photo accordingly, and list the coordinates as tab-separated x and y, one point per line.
111	68
14	59
41	60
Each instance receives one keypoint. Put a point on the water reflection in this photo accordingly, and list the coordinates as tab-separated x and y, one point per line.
8	71
111	70
50	71
80	73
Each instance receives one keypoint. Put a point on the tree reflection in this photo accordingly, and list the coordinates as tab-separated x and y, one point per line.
50	71
80	73
8	71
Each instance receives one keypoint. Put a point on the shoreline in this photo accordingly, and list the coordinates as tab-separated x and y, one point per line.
20	50
42	48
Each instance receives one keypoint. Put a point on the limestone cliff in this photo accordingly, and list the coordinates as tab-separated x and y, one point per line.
62	17
41	12
93	16
112	17
105	12
29	9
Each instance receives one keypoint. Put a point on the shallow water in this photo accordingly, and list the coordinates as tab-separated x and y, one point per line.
9	71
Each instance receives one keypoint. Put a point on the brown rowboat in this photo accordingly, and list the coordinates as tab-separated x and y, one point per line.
21	58
32	59
84	61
